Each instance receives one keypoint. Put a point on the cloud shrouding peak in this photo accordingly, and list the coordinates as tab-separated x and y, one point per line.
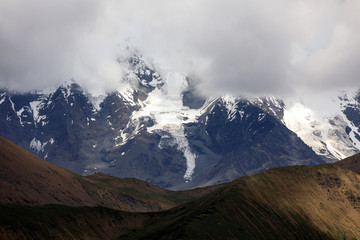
231	46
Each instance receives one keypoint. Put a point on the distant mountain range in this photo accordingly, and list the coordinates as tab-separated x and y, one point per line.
299	202
158	128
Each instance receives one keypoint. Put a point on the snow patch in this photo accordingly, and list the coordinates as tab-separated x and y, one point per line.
231	106
274	101
35	107
261	116
37	145
12	104
2	98
241	112
19	113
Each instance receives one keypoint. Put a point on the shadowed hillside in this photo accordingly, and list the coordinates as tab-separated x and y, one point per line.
321	202
27	179
302	202
64	222
351	163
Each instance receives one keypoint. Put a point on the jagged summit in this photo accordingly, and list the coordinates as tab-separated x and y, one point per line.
156	127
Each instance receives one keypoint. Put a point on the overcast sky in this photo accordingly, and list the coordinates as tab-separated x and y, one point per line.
279	47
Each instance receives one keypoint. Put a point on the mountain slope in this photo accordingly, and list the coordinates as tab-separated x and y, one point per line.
287	203
157	127
237	137
332	134
159	139
26	179
300	202
351	163
64	222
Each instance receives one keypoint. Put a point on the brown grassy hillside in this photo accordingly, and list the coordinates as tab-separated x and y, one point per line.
321	202
64	222
351	163
27	179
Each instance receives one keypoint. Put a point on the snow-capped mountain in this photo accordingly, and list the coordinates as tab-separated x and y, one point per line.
159	129
333	136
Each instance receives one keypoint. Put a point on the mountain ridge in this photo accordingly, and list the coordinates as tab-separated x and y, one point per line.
300	202
158	128
26	179
295	202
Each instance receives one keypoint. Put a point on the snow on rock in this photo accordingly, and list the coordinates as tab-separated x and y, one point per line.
66	90
325	135
231	107
127	93
35	107
348	99
37	145
2	98
274	101
178	139
261	116
12	104
19	113
164	105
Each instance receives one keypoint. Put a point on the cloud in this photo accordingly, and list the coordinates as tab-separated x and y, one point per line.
232	46
44	43
330	49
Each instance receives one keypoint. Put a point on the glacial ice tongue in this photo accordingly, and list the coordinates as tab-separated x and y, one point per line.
164	105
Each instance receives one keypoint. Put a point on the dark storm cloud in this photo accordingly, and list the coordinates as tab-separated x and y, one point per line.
232	46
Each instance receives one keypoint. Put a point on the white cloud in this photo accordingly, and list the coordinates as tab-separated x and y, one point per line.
233	46
43	43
